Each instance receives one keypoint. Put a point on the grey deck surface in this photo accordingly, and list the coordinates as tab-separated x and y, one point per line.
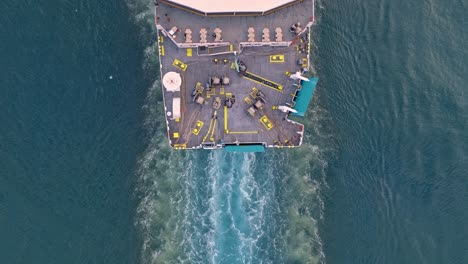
242	127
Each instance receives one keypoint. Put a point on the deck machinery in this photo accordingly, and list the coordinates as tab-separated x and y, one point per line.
233	73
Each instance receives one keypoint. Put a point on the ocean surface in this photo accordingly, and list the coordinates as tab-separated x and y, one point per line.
86	174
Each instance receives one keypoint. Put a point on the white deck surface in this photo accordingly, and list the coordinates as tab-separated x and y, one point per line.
176	107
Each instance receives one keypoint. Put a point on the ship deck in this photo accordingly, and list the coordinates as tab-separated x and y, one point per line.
200	125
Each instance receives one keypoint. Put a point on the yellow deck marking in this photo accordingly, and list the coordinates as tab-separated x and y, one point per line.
212	131
197	128
243	132
211	92
179	64
176	134
266	122
231	48
276	58
211	127
225	120
180	146
189	52
208	132
226	129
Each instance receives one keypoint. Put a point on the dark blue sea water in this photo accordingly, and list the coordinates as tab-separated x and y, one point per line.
86	174
69	135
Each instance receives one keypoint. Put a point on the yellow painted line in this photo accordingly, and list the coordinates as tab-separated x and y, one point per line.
197	128
179	64
266	122
276	58
227	131
189	52
225	120
243	132
212	131
209	129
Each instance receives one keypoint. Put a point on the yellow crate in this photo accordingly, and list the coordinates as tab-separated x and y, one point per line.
189	52
276	58
211	92
176	134
161	50
179	64
254	92
197	128
180	146
266	122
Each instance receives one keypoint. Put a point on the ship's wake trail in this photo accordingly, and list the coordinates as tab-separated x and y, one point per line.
229	226
218	207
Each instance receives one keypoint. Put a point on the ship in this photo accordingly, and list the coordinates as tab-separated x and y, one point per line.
234	73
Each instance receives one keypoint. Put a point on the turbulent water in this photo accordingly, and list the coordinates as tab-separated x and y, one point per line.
87	176
217	207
